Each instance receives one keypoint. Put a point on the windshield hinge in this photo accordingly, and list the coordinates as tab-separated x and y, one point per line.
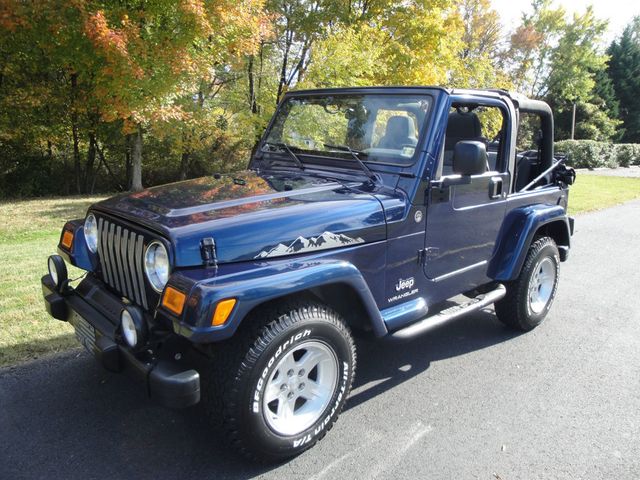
208	252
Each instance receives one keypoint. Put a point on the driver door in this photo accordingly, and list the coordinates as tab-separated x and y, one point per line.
463	221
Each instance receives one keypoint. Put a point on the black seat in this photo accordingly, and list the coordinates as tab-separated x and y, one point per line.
400	131
461	126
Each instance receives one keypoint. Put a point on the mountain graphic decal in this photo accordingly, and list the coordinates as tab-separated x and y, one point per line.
301	245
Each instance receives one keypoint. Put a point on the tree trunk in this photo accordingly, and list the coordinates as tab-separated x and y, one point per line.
136	161
252	90
127	159
260	73
103	161
288	40
74	133
573	121
76	155
184	165
91	159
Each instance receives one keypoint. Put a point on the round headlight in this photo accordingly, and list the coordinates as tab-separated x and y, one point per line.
156	265
91	232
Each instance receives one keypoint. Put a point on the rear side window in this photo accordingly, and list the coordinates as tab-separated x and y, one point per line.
528	164
529	132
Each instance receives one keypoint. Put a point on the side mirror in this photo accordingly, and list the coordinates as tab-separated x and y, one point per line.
470	158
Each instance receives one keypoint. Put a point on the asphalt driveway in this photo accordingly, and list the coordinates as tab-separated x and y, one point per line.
470	400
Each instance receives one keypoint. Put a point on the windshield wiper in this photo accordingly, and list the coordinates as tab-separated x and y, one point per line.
287	149
354	154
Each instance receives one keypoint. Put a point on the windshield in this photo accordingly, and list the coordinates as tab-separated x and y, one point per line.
383	128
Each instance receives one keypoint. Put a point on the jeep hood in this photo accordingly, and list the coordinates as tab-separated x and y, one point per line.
253	216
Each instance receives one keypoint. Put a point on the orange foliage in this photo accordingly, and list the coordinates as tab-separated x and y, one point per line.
10	15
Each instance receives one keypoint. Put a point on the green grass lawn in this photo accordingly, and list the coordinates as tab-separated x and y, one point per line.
29	232
592	192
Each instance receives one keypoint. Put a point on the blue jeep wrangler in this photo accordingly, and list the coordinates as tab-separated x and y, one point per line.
363	209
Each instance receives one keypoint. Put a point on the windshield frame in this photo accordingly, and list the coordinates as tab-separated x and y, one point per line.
329	157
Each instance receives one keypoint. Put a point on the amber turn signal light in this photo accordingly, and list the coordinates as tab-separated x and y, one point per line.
222	312
173	300
67	239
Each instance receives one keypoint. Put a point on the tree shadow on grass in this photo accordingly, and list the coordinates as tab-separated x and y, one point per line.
66	211
36	349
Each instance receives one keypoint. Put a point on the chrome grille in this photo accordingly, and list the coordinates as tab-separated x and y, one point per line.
121	254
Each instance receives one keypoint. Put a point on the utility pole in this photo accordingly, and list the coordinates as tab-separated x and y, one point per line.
573	121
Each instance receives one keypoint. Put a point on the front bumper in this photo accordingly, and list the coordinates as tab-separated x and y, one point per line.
94	314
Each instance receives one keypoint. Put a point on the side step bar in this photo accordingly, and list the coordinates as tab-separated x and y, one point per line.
451	313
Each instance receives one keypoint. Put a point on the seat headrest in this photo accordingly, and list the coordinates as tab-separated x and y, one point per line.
400	126
462	126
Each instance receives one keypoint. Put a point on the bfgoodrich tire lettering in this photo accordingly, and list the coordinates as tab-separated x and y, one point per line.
530	296
285	334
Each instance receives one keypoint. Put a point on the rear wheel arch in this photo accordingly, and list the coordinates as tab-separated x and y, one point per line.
558	230
529	297
526	226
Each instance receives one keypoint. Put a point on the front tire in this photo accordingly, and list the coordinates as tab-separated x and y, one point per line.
530	296
284	381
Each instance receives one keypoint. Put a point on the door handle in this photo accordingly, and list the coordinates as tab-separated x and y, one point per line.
495	187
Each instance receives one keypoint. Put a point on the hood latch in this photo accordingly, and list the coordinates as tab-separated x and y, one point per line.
208	252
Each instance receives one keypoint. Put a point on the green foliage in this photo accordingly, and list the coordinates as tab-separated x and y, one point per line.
199	79
628	154
592	154
624	69
559	60
592	120
575	59
478	57
85	75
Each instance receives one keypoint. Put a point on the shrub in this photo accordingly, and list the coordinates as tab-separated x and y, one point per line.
592	154
625	152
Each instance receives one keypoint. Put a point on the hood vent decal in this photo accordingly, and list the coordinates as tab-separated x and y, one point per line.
301	244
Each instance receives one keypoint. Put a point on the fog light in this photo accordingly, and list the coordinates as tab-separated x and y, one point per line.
57	271
133	327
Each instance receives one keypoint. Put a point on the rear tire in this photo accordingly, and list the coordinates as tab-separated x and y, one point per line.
281	382
530	296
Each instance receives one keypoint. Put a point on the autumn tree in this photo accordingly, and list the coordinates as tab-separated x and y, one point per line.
389	42
557	59
128	64
479	65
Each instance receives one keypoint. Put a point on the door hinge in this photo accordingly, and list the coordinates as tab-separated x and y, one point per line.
439	194
426	254
208	252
